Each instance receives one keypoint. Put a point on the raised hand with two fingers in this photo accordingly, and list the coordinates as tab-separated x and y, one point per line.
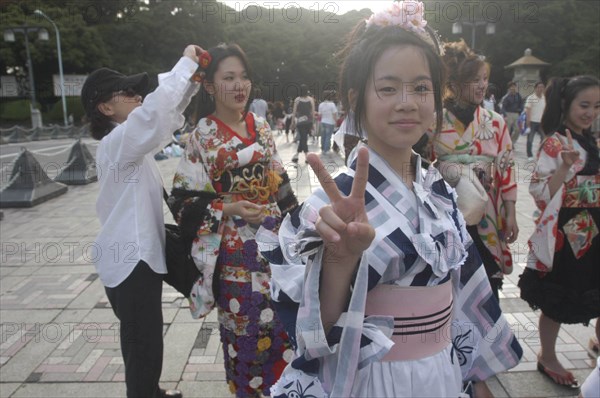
568	154
343	224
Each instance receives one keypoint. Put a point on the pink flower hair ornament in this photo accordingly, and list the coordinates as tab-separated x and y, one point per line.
407	15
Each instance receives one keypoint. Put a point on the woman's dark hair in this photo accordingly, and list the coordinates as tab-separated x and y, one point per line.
560	94
203	103
329	95
362	51
303	90
462	65
100	124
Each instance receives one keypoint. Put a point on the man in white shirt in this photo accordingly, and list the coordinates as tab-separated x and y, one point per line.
328	113
130	247
259	106
534	109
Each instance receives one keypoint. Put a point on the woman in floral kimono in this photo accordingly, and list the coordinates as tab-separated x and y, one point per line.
230	181
476	137
562	277
377	268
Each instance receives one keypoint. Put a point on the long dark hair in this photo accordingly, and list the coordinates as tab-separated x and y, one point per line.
560	94
203	103
362	51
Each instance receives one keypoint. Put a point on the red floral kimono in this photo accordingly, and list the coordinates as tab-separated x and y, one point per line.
219	161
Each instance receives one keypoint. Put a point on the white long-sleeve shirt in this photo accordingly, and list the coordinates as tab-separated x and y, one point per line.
129	204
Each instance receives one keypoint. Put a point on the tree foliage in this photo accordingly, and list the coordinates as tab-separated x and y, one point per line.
82	47
286	47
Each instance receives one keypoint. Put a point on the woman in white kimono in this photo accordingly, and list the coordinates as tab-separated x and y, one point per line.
562	277
376	272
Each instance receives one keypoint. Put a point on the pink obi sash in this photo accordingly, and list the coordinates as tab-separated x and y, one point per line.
422	318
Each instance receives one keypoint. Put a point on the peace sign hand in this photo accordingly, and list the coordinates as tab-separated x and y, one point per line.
568	154
343	224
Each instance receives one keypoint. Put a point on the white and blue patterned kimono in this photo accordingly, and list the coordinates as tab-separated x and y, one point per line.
420	240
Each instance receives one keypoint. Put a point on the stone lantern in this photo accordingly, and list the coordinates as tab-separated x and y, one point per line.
526	72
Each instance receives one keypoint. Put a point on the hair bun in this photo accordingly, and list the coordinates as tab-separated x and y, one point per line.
456	52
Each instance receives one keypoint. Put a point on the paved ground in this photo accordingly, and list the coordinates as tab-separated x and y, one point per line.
59	337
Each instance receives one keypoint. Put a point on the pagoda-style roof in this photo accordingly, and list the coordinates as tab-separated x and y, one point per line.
527	60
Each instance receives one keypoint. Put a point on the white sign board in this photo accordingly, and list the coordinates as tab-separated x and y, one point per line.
73	84
9	86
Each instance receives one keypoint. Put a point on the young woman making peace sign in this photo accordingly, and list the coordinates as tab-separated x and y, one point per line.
377	268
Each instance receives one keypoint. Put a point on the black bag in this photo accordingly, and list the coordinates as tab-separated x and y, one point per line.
304	114
182	271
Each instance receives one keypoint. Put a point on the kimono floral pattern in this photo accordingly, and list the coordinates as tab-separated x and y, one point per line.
487	135
579	232
255	344
461	347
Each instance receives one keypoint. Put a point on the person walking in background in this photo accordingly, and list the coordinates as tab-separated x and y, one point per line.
534	108
562	277
315	131
270	119
278	116
131	214
328	115
259	106
289	119
304	112
489	102
229	182
512	106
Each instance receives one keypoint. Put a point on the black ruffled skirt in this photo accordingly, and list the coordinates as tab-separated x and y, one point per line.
570	293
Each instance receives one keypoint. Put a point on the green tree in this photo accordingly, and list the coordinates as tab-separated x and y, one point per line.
293	47
82	47
155	39
285	47
564	33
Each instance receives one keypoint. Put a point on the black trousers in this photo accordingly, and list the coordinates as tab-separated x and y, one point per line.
137	304
303	131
